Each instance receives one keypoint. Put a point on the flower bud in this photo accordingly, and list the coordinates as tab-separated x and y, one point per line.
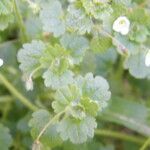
29	84
147	59
1	62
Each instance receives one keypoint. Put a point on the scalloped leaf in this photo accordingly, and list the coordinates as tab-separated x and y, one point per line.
95	88
76	45
53	20
78	131
29	56
78	21
57	81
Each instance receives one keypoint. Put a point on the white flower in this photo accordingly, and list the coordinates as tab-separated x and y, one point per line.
147	59
1	62
29	84
121	25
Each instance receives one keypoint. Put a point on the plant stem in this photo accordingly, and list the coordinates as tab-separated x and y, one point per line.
20	23
17	94
146	144
118	135
53	120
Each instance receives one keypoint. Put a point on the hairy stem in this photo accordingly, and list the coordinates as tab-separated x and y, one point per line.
20	22
119	135
17	94
146	144
52	121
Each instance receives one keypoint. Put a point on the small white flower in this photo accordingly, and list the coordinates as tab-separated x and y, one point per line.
1	62
29	84
147	59
121	25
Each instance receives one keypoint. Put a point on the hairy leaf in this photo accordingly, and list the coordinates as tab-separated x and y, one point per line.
29	56
51	16
95	88
76	46
77	130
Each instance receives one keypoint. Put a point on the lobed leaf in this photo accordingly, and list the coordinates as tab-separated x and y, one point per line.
53	20
77	130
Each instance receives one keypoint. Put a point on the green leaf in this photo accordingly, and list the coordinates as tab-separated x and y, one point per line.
55	58
136	65
91	107
68	95
53	20
96	89
98	10
39	119
55	80
5	138
78	21
130	114
29	56
100	44
81	102
86	94
77	130
6	16
75	45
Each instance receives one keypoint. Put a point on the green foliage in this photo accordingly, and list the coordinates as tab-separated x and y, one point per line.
82	101
100	44
77	130
66	46
56	81
53	20
5	138
76	46
78	21
29	56
98	10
